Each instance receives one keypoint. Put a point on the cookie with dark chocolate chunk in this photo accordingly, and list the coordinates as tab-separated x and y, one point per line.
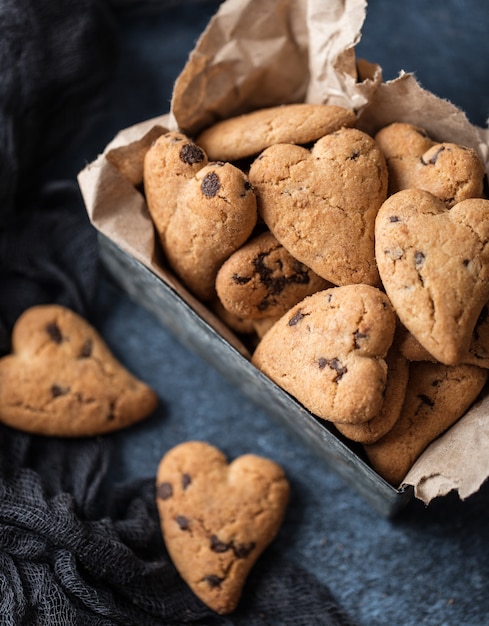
202	211
62	380
437	396
218	517
321	203
434	265
262	280
449	171
329	352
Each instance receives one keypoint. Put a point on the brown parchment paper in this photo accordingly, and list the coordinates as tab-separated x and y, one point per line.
257	53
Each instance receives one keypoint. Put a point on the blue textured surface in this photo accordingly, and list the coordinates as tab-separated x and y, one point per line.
428	566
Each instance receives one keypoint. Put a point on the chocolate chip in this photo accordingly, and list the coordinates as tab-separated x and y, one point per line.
354	155
210	185
395	253
190	154
335	365
394	218
213	580
59	390
357	335
54	332
164	491
186	480
426	399
219	546
434	158
275	284
111	415
183	522
242	550
419	258
86	350
241	280
295	319
466	262
247	185
341	370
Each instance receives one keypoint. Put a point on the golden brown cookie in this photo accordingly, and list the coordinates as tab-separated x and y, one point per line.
237	324
247	135
434	265
479	346
395	391
202	211
478	353
437	396
216	214
217	518
170	162
263	326
321	204
62	380
328	352
411	349
449	171
262	280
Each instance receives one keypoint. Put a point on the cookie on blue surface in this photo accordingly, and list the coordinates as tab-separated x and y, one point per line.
62	380
218	517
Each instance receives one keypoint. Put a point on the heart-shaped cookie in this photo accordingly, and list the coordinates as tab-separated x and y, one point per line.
202	211
217	518
328	352
248	134
62	380
262	279
434	264
449	171
478	353
437	396
395	391
321	204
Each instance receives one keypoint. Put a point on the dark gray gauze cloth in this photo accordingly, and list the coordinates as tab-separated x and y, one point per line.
65	562
55	57
64	558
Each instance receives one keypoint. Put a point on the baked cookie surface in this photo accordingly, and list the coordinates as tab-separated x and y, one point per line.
218	517
262	280
434	265
216	213
202	211
321	204
329	352
449	171
62	380
247	135
169	163
395	392
437	396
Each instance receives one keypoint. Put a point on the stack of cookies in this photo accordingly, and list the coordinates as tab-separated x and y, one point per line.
359	264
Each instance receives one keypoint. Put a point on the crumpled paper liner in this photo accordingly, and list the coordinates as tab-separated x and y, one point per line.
257	53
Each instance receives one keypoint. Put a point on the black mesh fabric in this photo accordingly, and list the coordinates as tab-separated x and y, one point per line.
73	549
67	560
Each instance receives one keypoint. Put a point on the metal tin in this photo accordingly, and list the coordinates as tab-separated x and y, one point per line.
197	335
